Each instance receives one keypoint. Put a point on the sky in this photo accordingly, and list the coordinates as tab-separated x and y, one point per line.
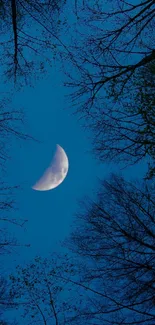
50	214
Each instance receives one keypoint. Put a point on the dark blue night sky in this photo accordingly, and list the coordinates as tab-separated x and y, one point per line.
50	120
50	214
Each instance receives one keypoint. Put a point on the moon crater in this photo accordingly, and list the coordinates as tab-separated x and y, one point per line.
55	174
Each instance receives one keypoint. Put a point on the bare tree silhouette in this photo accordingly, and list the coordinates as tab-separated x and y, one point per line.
113	84
29	32
115	236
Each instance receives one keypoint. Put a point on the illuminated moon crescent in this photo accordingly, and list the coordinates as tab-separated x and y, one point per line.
55	173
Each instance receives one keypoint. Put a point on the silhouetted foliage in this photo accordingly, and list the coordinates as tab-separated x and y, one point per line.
113	40
6	300
114	282
126	131
42	294
115	236
114	80
29	32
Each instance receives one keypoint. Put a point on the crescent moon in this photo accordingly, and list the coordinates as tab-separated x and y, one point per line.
55	173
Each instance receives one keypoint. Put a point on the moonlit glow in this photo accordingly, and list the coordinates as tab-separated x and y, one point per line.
55	173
